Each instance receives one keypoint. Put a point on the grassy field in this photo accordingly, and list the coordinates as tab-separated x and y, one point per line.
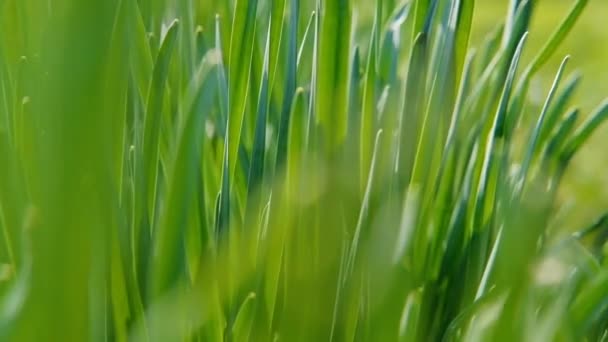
303	170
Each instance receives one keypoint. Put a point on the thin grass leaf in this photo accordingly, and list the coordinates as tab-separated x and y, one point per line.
534	137
152	122
244	319
557	37
290	79
259	145
559	138
584	132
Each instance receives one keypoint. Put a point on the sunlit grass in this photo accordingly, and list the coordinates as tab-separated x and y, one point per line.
292	170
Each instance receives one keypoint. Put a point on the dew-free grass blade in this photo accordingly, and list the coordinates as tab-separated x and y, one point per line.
153	120
141	60
369	105
244	319
242	42
589	306
165	265
558	139
411	120
557	37
558	107
536	132
289	86
333	71
256	170
584	132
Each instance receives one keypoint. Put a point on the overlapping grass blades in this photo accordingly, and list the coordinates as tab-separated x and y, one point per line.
267	170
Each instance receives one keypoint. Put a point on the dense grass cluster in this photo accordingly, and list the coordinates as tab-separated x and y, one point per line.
273	170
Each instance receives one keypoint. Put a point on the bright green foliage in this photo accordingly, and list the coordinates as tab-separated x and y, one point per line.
274	170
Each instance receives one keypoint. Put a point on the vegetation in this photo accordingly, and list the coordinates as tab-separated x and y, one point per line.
280	171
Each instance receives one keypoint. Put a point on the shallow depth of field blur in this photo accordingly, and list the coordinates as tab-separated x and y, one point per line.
303	170
585	188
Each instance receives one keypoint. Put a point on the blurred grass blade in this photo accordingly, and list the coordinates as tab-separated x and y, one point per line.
557	37
165	267
259	144
585	131
333	71
152	122
244	319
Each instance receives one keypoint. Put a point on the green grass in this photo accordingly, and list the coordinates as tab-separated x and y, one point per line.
582	194
296	170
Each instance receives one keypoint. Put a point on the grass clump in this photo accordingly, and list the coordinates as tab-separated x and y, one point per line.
273	170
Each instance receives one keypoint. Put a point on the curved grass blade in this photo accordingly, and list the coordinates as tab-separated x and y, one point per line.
244	319
165	265
141	61
557	37
410	118
557	108
463	31
584	132
558	139
534	138
480	200
152	121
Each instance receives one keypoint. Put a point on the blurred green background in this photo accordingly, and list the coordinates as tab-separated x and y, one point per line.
584	190
585	187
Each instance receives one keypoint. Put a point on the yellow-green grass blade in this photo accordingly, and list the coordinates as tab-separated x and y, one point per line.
557	37
58	300
463	33
140	57
411	119
241	327
165	266
369	104
152	123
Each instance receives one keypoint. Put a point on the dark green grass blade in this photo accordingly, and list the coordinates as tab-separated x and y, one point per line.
289	87
256	170
559	138
536	132
584	132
